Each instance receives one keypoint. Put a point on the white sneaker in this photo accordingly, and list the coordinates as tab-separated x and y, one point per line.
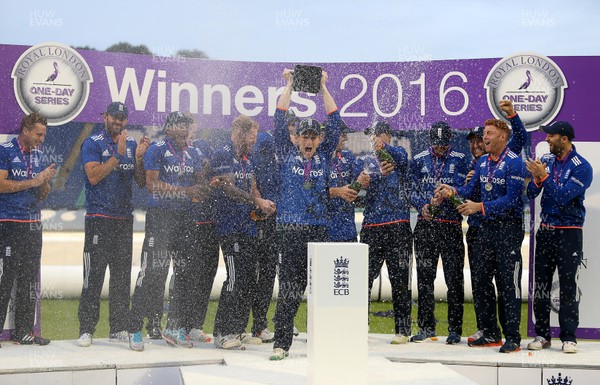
278	354
296	332
230	341
122	336
400	339
569	347
248	339
539	343
85	340
265	335
198	335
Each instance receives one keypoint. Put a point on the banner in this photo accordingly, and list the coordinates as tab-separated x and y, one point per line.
72	85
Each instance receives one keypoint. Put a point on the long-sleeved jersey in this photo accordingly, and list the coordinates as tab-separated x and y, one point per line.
563	190
304	182
427	170
387	199
499	184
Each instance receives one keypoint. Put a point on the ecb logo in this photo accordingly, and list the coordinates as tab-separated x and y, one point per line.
341	276
534	83
53	80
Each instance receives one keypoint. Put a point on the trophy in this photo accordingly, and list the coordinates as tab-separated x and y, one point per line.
307	79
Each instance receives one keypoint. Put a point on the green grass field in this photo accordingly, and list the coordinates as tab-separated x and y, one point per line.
59	319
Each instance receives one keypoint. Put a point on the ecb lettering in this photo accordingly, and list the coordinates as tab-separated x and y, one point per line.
341	291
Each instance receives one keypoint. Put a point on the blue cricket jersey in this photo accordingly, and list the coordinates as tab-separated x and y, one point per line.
304	182
176	167
233	217
111	197
343	170
387	199
515	144
506	176
21	165
564	190
427	170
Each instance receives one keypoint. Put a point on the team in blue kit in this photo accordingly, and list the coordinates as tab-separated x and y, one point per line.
260	197
24	184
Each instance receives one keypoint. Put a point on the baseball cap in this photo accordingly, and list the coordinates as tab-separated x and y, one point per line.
561	128
117	108
307	125
378	128
440	134
175	118
477	131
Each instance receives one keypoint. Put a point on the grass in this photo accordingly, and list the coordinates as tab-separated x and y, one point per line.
59	319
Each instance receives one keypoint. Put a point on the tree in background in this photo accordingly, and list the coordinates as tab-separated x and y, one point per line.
128	48
192	53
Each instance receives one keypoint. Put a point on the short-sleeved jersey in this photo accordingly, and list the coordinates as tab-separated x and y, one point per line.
112	195
176	167
233	217
21	165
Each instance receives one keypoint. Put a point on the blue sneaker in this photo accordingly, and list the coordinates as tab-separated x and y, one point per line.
177	337
136	342
453	339
423	336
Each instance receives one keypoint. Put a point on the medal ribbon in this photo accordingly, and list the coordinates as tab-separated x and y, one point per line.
28	164
556	172
307	168
437	173
490	175
181	158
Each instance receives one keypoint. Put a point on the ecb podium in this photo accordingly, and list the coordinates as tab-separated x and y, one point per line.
338	320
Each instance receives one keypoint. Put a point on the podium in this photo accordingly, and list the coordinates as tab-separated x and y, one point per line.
337	303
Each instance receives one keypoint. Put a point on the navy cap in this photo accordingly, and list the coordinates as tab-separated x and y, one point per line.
117	108
477	131
561	128
177	117
440	134
307	125
378	128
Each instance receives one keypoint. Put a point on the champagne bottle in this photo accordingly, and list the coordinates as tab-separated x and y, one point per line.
456	200
356	186
433	210
258	215
384	156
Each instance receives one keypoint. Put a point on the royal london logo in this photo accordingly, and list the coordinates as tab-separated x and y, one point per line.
534	83
559	380
341	276
54	80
